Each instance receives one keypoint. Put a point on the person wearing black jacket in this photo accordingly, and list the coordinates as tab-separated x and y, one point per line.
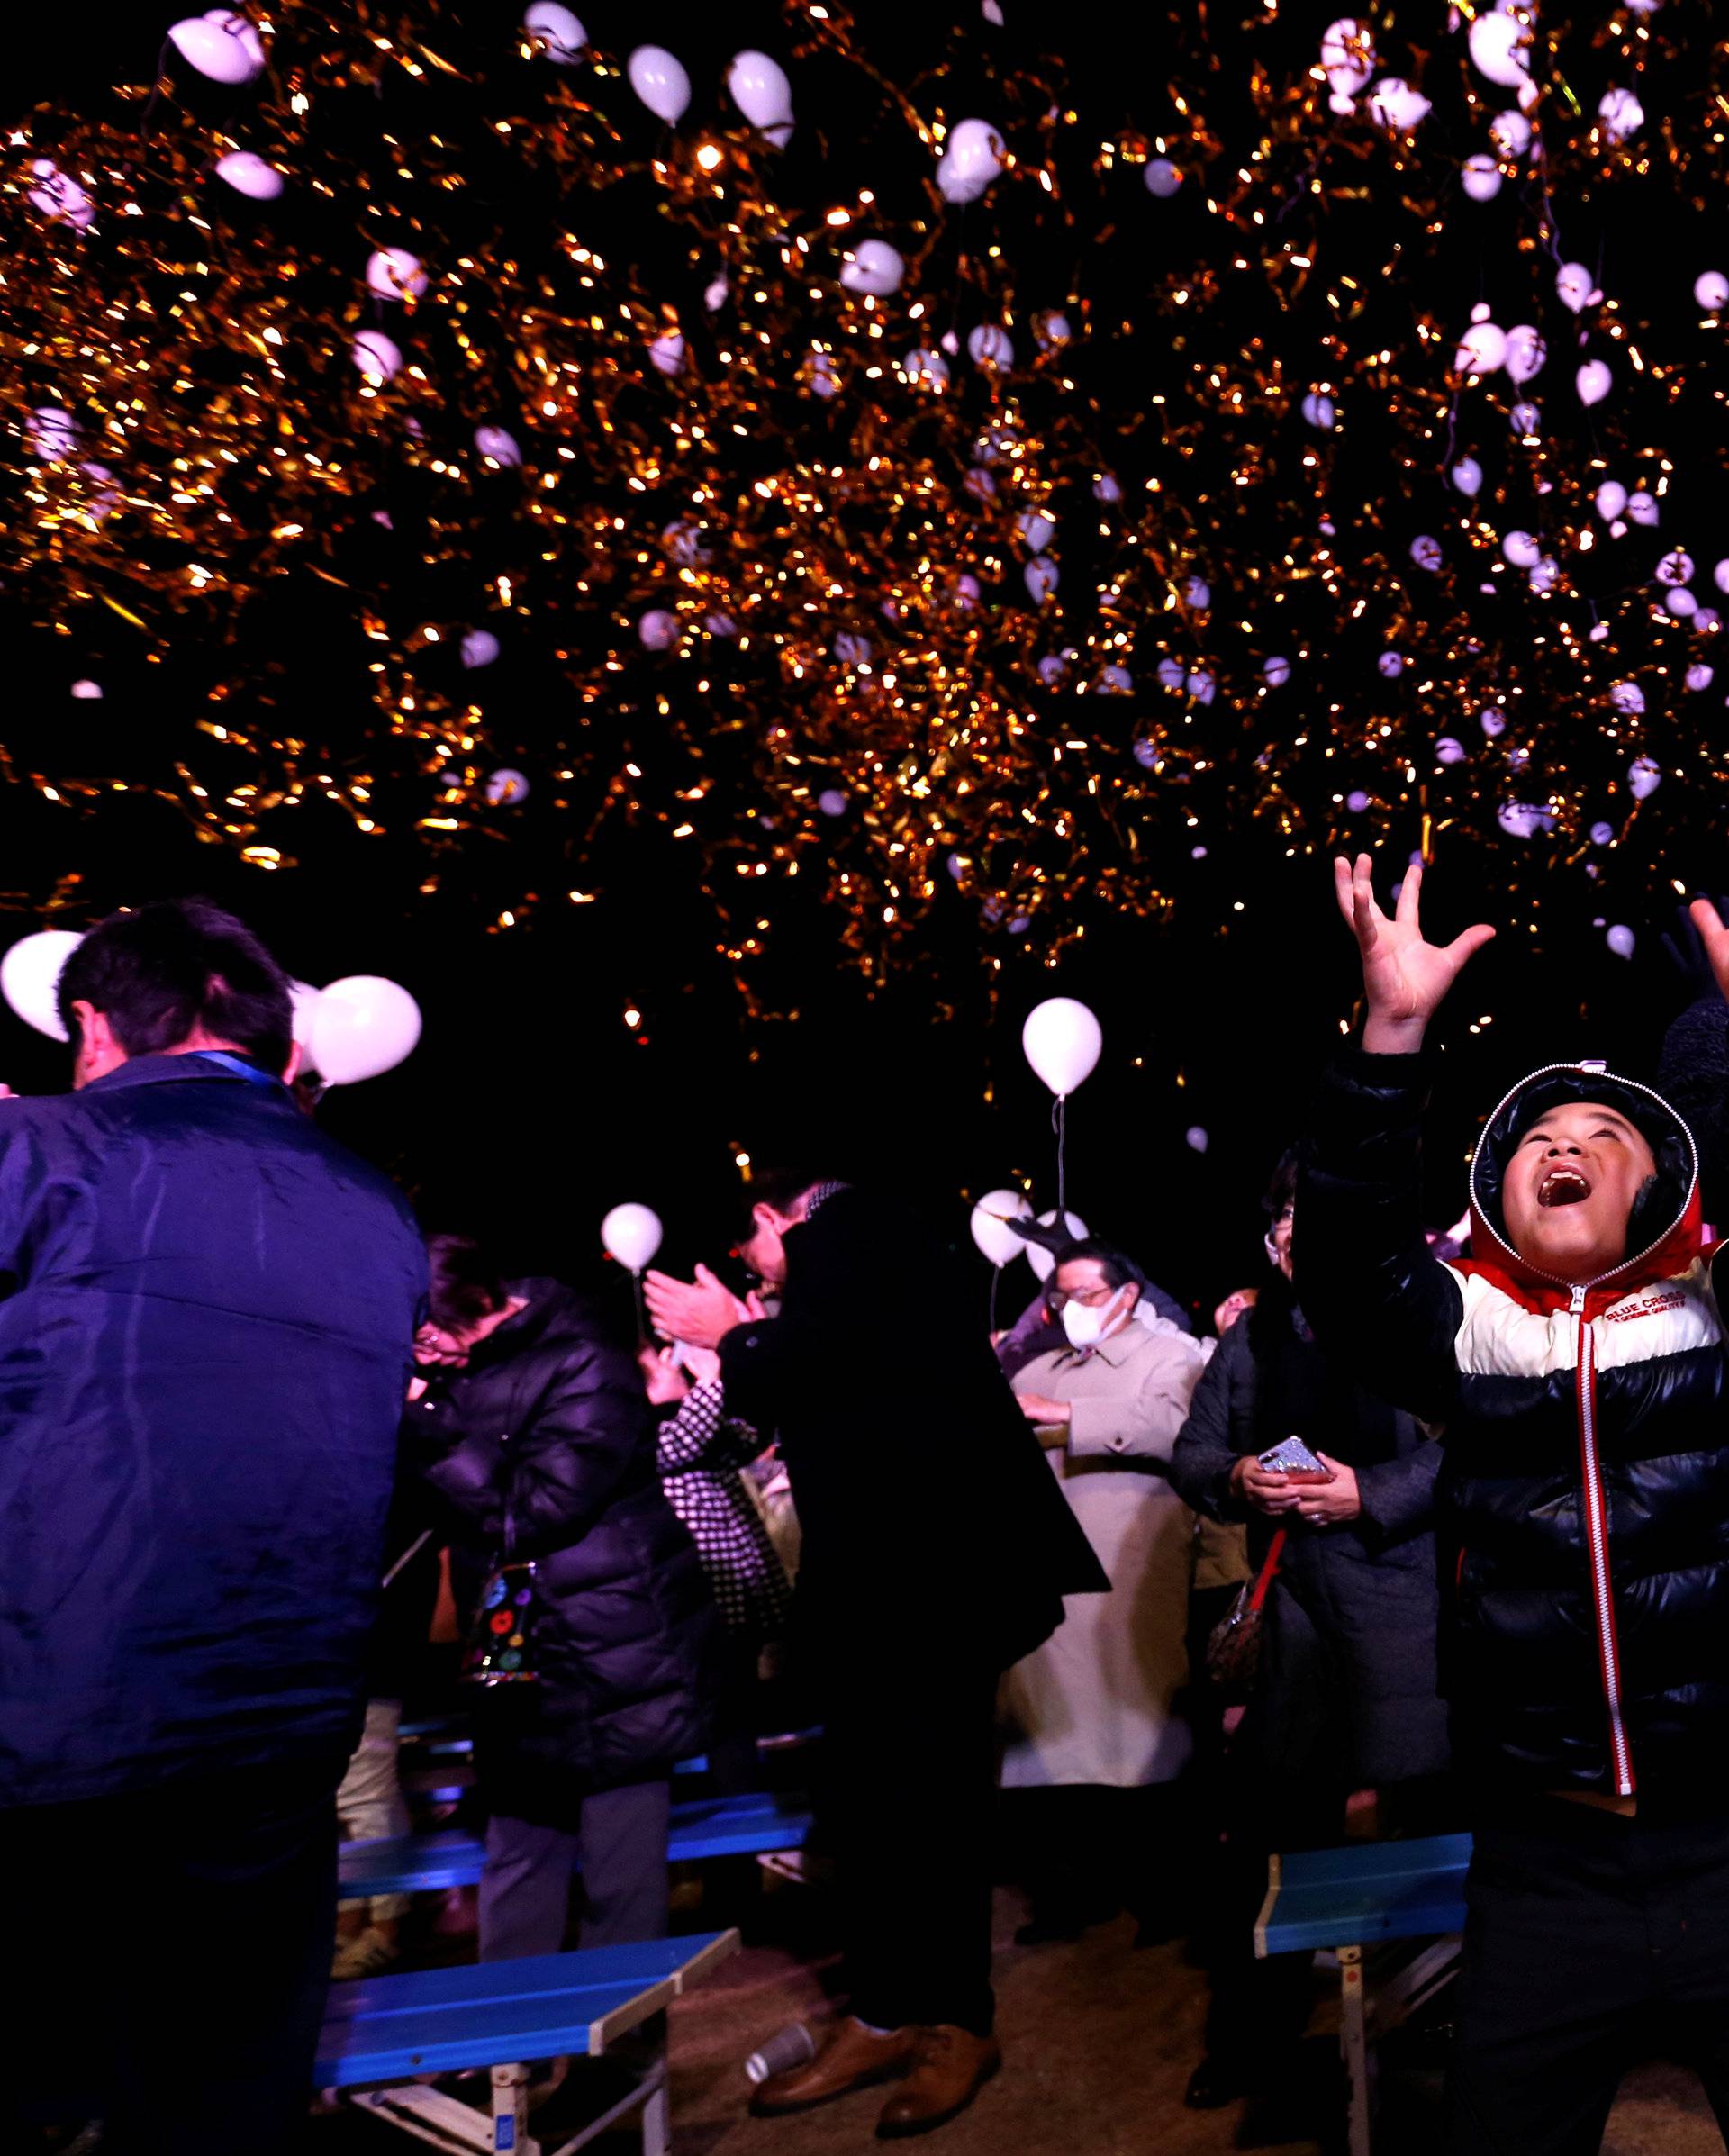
1346	1694
205	1336
1578	1362
937	1549
533	1426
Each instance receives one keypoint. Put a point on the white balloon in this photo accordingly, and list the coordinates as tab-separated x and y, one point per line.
250	175
1107	487
976	150
1627	696
632	1234
1195	1138
666	353
1043	1262
1676	566
303	996
1642	507
479	647
1200	685
1468	476
1680	602
1347	56
1041	579
714	294
1574	285
1037	529
506	787
875	267
1197	594
1720	575
29	973
394	273
559	35
224	47
1522	550
925	369
364	1026
852	650
1644	777
377	355
987	345
1318	410
1480	176
1545	574
759	86
59	195
1701	676
1481	349
1511	133
956	185
1449	750
1593	381
1711	290
1276	673
1426	551
1061	1040
1526	352
1524	418
659	79
832	801
87	691
1611	500
498	445
1393	103
1622	114
1620	941
996	1240
1162	179
1499	49
1117	681
53	434
658	629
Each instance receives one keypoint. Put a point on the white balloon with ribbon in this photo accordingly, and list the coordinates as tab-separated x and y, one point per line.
632	1234
303	996
361	1026
30	977
1062	1040
659	78
991	1231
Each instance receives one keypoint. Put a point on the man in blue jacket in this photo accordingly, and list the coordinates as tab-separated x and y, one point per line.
204	1356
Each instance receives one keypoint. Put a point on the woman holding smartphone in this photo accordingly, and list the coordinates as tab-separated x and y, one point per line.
1345	1697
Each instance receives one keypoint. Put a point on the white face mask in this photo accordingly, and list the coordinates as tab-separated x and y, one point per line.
1086	1327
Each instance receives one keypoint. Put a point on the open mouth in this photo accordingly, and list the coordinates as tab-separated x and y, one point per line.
1563	1186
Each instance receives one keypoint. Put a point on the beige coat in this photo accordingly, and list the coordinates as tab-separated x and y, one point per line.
1096	1702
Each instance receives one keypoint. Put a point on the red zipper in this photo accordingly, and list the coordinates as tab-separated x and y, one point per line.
1596	1541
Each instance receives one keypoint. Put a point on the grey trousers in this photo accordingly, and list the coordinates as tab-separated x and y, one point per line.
619	1836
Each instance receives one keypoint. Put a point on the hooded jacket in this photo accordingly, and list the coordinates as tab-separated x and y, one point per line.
545	1446
1583	1505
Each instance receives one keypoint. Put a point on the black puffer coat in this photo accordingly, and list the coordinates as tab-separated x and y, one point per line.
1584	1503
547	1430
1350	1675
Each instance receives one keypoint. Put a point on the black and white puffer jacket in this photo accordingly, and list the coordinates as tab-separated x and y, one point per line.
1583	1508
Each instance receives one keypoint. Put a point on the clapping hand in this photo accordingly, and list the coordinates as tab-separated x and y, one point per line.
1714	937
701	1312
1404	979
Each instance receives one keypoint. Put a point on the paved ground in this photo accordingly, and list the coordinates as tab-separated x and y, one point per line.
1099	2039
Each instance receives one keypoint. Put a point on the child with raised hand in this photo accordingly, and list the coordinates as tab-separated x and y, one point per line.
1577	1362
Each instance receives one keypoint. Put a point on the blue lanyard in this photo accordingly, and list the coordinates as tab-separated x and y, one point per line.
239	1065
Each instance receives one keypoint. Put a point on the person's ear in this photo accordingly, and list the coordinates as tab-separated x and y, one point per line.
1131	1295
99	1051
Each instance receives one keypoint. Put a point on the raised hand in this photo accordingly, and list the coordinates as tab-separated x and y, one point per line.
1404	979
1714	937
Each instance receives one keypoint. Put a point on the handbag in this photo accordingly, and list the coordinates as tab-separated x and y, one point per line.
500	1645
1234	1643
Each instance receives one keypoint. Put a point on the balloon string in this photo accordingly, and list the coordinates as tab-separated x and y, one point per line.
642	1322
996	1275
1060	1124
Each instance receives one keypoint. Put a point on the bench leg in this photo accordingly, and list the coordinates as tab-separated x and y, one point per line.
657	2134
1353	2042
509	2111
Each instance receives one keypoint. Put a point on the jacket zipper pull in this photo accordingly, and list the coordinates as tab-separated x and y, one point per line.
1577	1307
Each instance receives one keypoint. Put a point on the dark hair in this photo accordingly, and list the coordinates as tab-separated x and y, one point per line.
160	972
1281	1191
464	1282
1117	1268
781	1188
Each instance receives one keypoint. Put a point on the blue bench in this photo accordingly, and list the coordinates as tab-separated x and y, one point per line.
499	2017
708	1827
1343	1899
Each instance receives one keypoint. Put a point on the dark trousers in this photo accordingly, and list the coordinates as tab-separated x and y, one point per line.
621	1837
1591	1941
170	1952
1086	1852
910	1752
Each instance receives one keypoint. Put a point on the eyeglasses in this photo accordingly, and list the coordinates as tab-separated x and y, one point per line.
1090	1299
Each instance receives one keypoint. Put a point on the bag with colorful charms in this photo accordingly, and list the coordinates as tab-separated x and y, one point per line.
501	1644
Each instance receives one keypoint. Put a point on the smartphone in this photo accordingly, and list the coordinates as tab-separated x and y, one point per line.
1292	1459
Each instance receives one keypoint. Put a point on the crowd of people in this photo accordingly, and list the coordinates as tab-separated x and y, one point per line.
1412	1540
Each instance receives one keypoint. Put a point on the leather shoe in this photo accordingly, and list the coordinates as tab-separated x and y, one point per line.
949	2068
851	2057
